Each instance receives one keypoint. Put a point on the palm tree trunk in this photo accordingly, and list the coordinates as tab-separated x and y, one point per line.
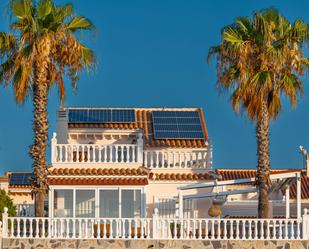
40	126
263	181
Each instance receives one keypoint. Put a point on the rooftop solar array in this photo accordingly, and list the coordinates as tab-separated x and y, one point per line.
21	178
177	125
101	115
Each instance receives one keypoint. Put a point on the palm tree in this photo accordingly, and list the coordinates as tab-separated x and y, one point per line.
39	52
259	60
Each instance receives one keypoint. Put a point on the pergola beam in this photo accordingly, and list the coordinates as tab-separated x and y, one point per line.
284	180
224	193
280	176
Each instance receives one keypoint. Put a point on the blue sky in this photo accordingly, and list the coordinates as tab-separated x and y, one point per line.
153	54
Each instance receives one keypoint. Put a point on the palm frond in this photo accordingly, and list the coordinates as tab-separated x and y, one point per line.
261	58
78	23
44	8
22	8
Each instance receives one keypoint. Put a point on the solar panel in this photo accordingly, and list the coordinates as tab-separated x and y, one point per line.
101	115
177	124
21	178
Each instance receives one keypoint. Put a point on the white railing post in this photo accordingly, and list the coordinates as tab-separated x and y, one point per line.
180	205
5	223
298	194
155	224
53	148
209	156
305	221
140	147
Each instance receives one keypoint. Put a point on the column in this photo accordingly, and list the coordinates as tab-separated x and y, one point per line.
287	202
298	194
140	146
5	223
180	205
50	202
53	148
209	156
305	224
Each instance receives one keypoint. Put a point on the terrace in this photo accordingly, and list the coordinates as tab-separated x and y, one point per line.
127	154
157	227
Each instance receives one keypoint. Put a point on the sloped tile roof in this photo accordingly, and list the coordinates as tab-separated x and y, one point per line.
128	172
98	172
234	174
98	181
144	121
180	176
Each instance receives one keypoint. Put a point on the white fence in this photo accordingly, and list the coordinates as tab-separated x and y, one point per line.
156	228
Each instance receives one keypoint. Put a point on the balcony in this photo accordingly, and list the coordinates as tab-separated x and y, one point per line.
127	154
92	153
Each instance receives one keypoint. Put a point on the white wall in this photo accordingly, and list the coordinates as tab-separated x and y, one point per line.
169	189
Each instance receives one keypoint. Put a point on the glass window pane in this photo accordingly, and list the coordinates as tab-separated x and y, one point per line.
85	203
109	203
63	203
131	203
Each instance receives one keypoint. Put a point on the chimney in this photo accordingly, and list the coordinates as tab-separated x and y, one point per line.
62	126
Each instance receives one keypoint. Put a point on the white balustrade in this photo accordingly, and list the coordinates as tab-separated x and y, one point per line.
155	228
81	228
95	153
219	229
176	159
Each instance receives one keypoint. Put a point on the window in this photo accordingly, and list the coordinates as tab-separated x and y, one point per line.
109	203
63	203
131	203
85	203
96	202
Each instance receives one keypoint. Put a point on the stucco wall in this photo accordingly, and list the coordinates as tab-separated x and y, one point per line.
4	185
21	198
169	189
144	244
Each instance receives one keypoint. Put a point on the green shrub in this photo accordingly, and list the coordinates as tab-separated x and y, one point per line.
6	201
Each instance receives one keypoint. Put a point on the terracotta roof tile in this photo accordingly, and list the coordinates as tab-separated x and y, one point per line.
234	174
20	186
4	179
97	181
98	172
144	121
179	176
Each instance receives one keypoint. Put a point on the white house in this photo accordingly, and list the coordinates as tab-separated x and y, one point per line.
147	173
111	162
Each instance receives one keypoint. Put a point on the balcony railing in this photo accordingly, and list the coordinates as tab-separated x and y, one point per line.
156	228
92	153
196	159
128	153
